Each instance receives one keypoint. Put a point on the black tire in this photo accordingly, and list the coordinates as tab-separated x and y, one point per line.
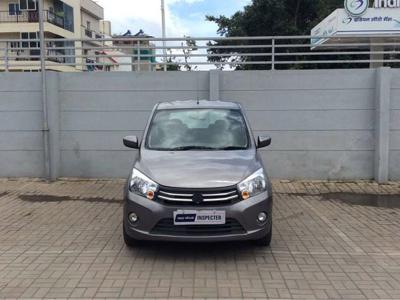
129	241
265	241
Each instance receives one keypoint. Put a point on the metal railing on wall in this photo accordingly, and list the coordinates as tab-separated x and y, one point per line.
204	53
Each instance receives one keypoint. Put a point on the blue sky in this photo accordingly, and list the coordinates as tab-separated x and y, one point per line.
192	15
184	17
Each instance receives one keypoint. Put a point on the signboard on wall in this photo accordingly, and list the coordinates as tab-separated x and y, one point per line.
359	19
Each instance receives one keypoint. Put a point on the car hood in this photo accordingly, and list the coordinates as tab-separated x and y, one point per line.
198	169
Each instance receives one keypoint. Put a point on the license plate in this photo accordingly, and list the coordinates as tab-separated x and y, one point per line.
199	217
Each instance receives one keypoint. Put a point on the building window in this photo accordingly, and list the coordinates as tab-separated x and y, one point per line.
65	13
88	25
30	36
27	4
13	9
15	47
68	18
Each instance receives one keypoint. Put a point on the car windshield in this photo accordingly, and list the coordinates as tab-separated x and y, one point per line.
197	129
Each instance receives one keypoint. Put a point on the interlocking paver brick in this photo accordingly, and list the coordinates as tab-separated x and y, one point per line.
64	240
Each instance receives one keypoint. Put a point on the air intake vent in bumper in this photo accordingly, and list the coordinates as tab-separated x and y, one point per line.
167	227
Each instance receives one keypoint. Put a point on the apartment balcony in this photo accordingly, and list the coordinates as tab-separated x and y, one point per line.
31	17
91	34
31	61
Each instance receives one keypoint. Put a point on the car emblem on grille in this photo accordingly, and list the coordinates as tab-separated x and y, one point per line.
198	198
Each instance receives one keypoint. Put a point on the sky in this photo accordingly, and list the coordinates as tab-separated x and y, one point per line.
183	17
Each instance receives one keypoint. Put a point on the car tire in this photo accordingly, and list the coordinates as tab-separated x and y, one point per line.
129	241
265	241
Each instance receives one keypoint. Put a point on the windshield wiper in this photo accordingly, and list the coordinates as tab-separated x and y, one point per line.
187	148
231	148
193	147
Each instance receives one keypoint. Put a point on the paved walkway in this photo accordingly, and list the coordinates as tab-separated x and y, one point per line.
331	241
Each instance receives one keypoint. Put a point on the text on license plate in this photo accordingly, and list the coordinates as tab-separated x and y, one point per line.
199	217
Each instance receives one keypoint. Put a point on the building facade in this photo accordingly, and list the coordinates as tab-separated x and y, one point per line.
66	19
141	53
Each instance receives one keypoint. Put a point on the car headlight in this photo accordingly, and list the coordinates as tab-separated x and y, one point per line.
253	185
142	185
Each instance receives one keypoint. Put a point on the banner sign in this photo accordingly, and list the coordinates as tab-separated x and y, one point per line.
374	21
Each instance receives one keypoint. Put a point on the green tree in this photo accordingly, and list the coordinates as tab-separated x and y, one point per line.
187	48
268	18
171	61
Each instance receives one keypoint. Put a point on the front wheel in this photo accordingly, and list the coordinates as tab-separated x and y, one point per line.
265	241
129	241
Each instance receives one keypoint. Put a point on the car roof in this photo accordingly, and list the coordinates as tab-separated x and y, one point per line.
198	104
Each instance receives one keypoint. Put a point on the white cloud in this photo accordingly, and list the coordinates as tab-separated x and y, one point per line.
143	14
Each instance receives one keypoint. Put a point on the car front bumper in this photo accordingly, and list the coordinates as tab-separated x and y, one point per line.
150	213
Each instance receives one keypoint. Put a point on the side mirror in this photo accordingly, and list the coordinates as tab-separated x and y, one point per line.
131	142
263	141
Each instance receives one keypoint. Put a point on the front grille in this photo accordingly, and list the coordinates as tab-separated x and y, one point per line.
197	196
167	227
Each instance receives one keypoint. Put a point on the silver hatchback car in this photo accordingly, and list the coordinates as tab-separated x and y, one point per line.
198	177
